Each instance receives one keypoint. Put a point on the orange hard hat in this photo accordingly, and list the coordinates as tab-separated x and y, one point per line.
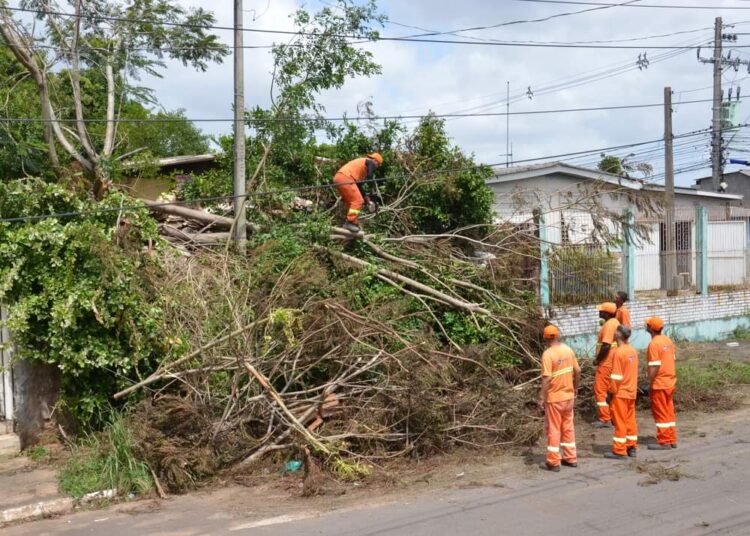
655	323
607	307
551	332
377	157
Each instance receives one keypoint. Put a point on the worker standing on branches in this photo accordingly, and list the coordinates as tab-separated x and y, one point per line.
348	181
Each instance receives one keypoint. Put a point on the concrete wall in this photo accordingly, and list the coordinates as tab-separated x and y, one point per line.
693	317
737	184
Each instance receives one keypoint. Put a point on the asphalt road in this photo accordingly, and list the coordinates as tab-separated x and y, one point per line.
712	496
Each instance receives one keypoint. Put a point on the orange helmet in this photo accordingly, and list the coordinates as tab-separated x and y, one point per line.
655	323
377	157
551	333
607	307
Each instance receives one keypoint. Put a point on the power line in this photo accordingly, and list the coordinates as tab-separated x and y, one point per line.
374	38
336	119
653	6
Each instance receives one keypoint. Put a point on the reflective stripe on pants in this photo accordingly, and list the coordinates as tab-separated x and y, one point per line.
351	196
558	427
662	408
601	386
626	428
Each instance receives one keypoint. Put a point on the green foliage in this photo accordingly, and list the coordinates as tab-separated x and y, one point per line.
78	289
741	334
110	54
104	461
710	387
451	188
611	164
37	453
581	274
22	148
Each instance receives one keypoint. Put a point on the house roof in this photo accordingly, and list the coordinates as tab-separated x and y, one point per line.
681	190
549	168
520	173
183	160
745	172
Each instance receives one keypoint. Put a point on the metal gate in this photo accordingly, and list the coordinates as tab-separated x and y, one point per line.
727	242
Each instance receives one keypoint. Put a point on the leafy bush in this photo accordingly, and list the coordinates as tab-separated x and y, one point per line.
78	289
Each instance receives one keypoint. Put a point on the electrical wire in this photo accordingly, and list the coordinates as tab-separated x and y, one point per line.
338	119
373	38
653	6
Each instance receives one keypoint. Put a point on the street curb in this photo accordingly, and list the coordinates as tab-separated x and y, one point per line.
52	507
35	510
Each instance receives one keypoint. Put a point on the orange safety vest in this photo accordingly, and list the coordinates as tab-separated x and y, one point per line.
356	169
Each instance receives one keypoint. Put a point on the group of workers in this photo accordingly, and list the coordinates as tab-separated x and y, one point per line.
616	380
615	387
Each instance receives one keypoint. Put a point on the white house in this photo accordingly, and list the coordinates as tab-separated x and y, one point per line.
576	202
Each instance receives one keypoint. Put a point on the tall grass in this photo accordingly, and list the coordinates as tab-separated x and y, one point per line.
710	387
106	460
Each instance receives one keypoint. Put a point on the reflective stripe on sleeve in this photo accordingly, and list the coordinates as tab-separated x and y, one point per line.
666	424
602	404
654	363
616	377
568	445
566	370
553	449
354	211
632	438
619	440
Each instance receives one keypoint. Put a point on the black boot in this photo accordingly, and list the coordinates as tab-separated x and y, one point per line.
632	452
569	464
613	456
349	226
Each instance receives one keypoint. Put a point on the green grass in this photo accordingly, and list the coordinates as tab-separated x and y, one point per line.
105	461
712	386
742	334
37	453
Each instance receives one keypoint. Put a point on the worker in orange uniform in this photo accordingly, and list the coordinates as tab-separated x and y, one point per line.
623	314
348	181
560	378
662	379
624	385
604	349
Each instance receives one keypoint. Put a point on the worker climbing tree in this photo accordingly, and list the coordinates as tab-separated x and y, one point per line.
349	182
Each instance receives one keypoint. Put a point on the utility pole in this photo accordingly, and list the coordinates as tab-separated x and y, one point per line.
240	223
507	125
671	243
716	142
719	61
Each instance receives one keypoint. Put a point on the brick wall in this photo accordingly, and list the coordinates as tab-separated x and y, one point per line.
574	321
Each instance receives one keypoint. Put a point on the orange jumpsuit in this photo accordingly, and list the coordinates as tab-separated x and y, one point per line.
603	371
661	354
623	385
623	316
559	364
346	180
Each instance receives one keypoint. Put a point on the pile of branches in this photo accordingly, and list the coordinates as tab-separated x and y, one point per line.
409	346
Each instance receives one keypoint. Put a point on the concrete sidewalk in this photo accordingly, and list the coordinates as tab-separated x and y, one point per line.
28	492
